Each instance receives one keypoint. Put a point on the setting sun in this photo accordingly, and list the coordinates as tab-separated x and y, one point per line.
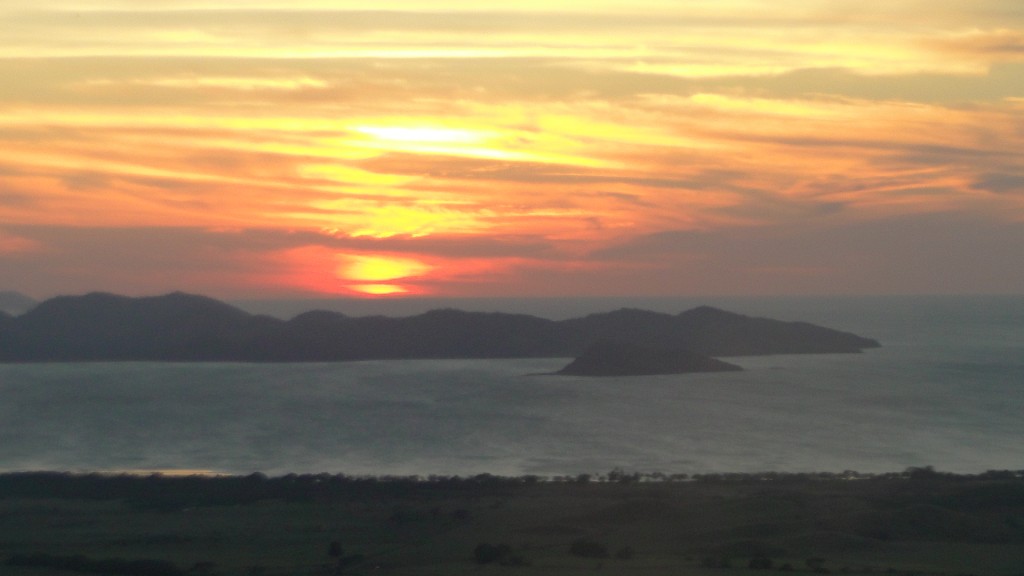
379	289
380	268
380	275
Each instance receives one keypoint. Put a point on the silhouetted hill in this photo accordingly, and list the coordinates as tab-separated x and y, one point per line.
102	326
187	327
729	334
711	332
610	358
445	333
15	303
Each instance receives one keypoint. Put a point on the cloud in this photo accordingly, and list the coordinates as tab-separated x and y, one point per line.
998	82
509	144
724	38
453	167
1002	183
997	44
913	254
12	245
241	83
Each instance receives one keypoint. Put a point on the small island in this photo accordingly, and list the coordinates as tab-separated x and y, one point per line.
616	358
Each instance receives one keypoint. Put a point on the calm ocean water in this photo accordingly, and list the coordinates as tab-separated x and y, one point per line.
946	389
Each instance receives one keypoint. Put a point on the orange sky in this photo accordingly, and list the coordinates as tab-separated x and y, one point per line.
666	147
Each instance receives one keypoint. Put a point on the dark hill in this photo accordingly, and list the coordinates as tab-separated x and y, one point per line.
447	333
195	328
711	332
609	358
101	326
626	324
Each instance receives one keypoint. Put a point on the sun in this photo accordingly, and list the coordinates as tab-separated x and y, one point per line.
377	275
379	289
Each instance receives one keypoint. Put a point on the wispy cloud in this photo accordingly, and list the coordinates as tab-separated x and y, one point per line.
514	144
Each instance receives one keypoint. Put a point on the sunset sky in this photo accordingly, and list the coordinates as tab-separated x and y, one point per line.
259	148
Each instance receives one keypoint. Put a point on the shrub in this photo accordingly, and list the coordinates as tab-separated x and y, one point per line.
588	549
487	553
625	553
715	562
334	549
106	566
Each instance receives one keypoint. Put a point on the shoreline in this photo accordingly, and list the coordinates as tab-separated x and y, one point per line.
615	476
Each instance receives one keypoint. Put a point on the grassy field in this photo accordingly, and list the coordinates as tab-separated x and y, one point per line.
911	523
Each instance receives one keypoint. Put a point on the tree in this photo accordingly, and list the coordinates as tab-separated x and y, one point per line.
588	549
334	550
487	553
816	564
625	553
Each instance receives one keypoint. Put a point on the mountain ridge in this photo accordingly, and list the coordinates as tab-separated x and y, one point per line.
186	327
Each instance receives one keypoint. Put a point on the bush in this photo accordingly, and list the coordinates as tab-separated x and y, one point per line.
106	566
715	562
497	554
488	553
815	564
588	549
334	549
625	553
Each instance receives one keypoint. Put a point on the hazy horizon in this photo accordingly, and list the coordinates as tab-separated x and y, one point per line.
791	307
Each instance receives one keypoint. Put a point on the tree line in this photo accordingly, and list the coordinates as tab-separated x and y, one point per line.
158	491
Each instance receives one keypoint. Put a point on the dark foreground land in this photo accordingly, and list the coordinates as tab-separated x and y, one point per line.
917	522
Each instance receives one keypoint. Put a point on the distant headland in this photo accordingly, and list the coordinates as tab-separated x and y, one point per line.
187	327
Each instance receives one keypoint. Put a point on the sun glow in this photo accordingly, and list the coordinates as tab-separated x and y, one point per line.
381	275
379	289
381	268
438	140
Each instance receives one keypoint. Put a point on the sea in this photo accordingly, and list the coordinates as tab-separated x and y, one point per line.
945	389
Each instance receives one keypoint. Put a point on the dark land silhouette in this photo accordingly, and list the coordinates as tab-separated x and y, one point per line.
186	327
914	523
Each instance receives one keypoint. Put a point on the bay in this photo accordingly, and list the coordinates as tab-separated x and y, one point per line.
946	390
